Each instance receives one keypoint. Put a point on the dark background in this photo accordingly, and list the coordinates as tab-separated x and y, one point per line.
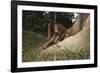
38	21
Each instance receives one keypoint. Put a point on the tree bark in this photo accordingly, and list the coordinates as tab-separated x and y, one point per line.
80	38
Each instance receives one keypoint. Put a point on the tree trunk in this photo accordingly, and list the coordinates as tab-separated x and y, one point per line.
80	38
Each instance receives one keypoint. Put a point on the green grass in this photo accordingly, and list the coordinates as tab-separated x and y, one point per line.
31	51
66	55
31	44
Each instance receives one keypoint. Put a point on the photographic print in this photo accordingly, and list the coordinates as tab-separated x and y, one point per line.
49	36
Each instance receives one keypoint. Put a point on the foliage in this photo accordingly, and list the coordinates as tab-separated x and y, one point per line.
38	21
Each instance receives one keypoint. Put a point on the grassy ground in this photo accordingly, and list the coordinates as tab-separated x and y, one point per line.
31	50
66	55
31	44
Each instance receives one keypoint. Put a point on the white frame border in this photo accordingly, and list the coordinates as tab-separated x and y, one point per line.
52	63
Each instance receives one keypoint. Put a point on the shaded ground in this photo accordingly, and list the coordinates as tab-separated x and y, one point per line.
32	42
31	50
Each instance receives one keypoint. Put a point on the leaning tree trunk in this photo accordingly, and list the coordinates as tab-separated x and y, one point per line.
80	38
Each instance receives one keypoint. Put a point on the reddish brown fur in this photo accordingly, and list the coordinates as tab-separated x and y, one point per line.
57	33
